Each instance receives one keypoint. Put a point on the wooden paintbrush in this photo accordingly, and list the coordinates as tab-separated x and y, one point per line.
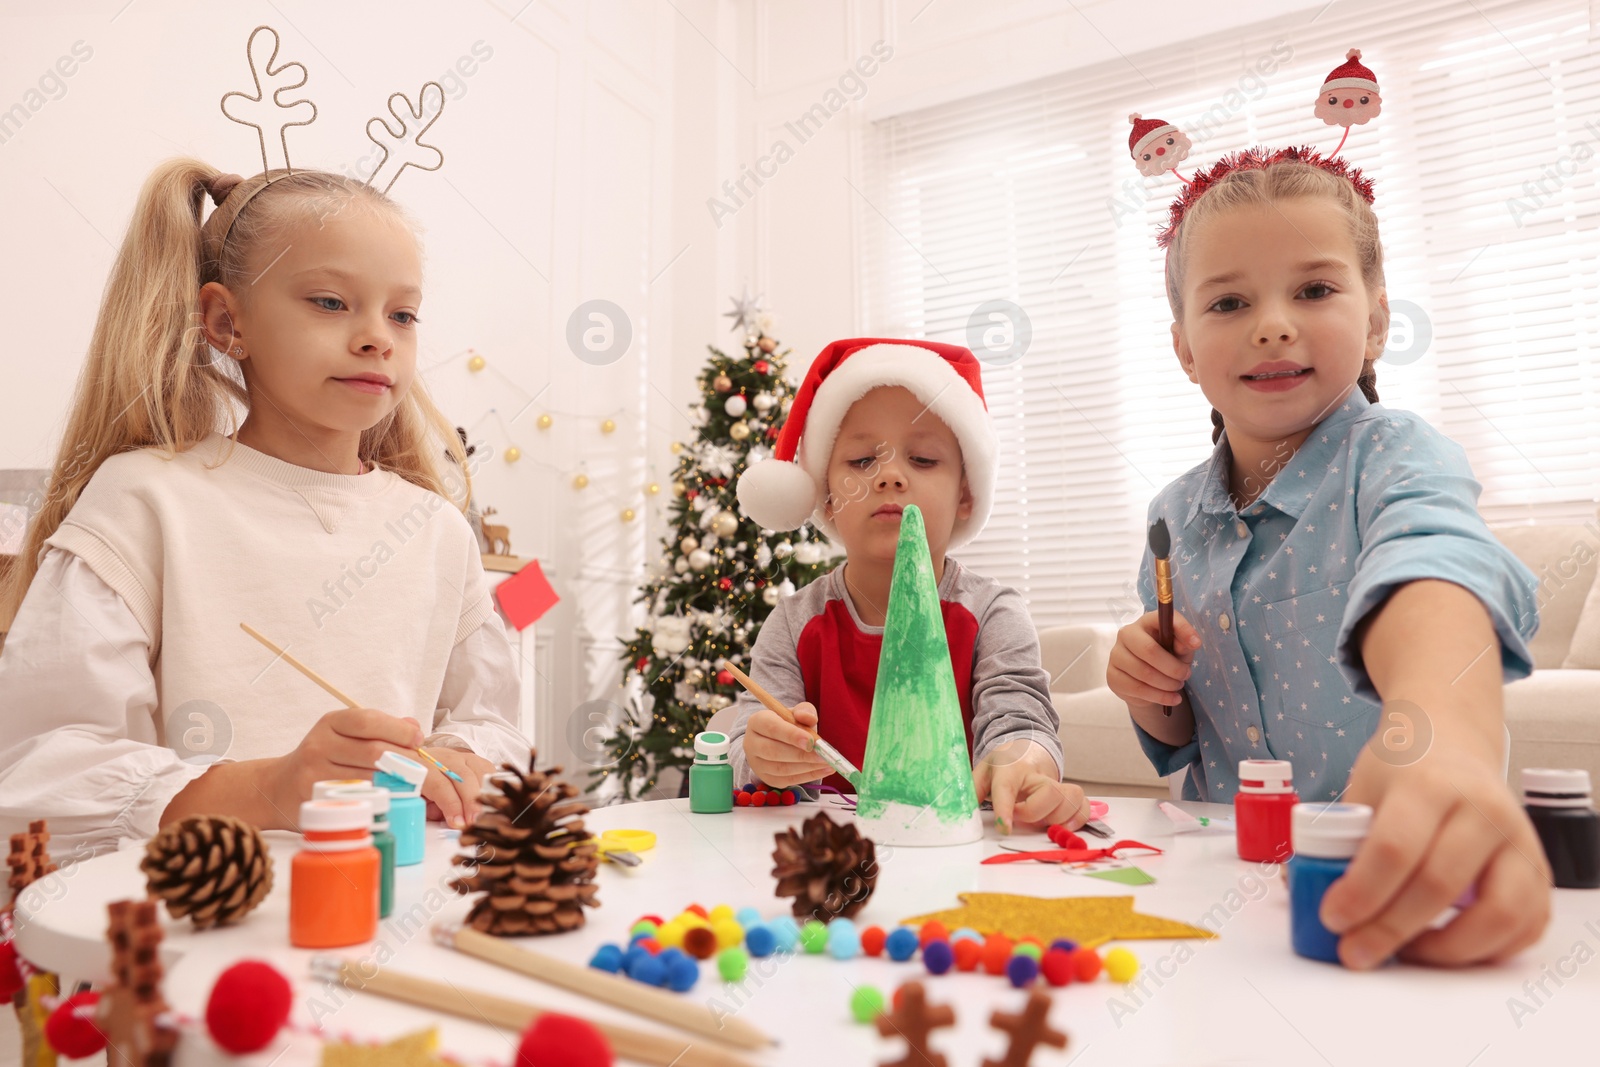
1161	549
826	752
341	697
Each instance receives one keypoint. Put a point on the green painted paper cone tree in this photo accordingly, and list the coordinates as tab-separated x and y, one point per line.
916	783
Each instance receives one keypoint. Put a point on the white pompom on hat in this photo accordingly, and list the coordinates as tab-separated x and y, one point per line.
781	493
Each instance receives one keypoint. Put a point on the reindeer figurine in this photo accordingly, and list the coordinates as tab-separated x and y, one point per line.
499	537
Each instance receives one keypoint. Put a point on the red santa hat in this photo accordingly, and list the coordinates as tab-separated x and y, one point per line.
781	493
1351	75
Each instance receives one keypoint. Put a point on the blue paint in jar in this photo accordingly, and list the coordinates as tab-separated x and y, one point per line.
1325	838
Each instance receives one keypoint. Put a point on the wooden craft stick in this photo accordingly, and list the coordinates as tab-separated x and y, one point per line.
516	1015
301	667
624	993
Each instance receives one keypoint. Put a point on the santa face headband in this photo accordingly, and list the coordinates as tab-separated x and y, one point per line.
1349	97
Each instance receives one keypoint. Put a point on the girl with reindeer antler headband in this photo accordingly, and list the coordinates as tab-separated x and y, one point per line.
1337	602
133	696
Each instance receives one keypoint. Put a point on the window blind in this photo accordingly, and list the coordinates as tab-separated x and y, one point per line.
1487	165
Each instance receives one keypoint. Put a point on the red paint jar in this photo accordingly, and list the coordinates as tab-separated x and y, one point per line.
335	878
1261	810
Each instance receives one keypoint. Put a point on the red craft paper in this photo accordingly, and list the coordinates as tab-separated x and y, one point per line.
1069	855
526	596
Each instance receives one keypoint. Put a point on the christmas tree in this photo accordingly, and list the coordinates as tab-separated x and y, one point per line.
720	575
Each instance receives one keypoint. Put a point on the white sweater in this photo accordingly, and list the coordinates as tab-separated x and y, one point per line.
373	582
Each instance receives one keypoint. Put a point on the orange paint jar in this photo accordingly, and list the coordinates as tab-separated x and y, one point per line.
335	877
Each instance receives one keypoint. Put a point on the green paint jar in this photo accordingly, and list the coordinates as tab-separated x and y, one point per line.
711	776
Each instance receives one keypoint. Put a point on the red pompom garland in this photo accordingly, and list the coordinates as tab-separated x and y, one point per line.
248	1006
71	1029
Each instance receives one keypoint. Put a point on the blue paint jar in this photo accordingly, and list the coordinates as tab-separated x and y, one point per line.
1325	838
408	812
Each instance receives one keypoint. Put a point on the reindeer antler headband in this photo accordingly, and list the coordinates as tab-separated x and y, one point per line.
1349	97
271	116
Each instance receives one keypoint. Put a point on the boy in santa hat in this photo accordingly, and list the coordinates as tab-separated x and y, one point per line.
878	425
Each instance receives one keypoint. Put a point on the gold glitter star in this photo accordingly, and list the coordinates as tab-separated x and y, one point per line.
1086	920
412	1050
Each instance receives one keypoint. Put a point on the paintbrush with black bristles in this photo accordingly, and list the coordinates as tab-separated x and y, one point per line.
1161	549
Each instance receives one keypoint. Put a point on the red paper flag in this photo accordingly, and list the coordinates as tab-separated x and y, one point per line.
526	596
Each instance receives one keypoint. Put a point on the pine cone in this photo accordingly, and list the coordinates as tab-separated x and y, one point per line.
213	868
828	867
531	857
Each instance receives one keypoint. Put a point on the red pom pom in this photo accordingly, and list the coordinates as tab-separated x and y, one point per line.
968	953
74	1034
698	909
758	800
562	1041
10	977
656	919
789	797
741	800
1056	966
932	930
650	945
248	1006
872	940
700	942
1086	964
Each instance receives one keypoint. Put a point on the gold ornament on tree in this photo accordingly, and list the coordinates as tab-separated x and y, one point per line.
739	431
214	869
531	856
725	524
722	383
678	489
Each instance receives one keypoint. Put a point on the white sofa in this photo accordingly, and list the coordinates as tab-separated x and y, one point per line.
1553	715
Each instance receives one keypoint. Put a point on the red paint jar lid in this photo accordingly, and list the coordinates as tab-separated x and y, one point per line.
1266	776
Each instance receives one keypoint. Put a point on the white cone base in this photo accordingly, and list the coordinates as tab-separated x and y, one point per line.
911	825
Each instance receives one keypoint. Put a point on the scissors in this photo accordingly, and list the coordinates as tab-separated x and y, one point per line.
622	847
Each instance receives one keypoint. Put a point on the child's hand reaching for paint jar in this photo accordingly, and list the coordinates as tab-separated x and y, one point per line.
1022	782
780	752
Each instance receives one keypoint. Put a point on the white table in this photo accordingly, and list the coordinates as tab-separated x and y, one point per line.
1242	999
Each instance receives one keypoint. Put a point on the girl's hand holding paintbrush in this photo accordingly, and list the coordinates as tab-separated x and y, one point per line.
1150	679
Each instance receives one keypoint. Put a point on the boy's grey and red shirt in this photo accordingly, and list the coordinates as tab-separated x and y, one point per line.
814	647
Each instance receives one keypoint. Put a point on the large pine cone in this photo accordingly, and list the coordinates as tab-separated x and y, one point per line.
828	867
531	857
213	868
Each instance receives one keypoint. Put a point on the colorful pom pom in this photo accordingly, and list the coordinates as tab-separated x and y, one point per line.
720	913
748	917
1086	964
760	941
11	982
872	939
1056	966
1121	965
938	956
843	941
968	954
607	958
71	1029
813	936
996	953
728	932
785	932
648	970
696	909
1029	949
932	930
966	933
902	944
248	1005
790	797
1066	944
866	1003
741	800
556	1040
700	942
1022	970
682	973
732	963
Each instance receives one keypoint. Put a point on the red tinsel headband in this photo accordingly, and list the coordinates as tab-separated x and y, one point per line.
1348	97
1256	159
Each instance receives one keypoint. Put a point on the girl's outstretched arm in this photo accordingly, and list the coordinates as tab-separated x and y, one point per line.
1445	820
